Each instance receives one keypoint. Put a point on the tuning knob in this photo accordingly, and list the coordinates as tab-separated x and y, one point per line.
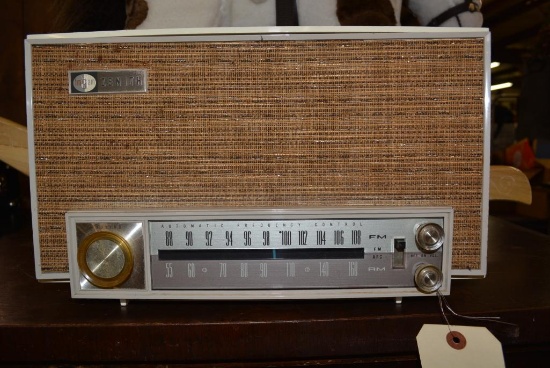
105	259
429	237
428	278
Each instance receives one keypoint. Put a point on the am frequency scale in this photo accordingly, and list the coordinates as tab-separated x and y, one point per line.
260	253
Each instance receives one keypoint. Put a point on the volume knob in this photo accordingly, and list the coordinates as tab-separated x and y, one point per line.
428	278
105	259
429	237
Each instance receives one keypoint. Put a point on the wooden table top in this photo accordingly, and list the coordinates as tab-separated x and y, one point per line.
41	324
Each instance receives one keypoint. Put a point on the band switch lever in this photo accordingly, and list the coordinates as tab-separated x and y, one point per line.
399	245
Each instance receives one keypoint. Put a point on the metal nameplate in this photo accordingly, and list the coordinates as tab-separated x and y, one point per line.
107	81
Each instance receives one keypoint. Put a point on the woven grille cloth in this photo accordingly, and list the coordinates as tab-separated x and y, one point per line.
263	124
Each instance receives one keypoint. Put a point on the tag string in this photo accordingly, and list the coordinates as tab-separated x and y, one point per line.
454	336
440	299
444	304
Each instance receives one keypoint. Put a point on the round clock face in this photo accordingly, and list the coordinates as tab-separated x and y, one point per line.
105	259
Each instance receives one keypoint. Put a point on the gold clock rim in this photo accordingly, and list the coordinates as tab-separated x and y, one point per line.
104	282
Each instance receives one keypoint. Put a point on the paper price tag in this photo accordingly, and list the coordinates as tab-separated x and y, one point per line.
466	346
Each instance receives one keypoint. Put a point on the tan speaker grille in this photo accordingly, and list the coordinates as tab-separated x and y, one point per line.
263	124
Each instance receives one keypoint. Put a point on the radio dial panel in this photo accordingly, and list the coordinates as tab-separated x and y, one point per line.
263	254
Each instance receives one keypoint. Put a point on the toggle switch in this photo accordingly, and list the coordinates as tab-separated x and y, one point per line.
399	245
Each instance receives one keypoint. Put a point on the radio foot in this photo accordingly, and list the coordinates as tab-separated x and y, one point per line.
123	303
398	300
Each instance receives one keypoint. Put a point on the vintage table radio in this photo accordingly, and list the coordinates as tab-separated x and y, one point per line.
259	162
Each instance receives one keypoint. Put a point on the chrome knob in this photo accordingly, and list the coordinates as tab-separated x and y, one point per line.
428	278
429	237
